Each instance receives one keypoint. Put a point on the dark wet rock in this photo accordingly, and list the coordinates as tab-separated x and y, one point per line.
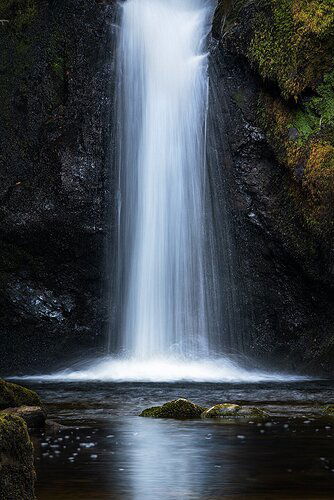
283	274
34	416
178	409
17	473
229	410
53	427
55	180
13	395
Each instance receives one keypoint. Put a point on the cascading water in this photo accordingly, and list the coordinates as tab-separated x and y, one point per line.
164	87
176	308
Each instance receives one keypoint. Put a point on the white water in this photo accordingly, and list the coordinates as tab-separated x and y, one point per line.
163	370
164	99
164	292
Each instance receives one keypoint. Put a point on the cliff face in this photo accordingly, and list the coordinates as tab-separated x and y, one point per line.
276	73
54	178
272	79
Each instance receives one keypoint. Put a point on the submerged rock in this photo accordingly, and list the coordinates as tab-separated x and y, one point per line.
34	416
13	395
229	410
178	409
53	427
16	460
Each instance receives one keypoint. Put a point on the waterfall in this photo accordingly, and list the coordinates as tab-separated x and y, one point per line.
175	293
163	103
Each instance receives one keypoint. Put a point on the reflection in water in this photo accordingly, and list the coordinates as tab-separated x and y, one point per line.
111	453
163	461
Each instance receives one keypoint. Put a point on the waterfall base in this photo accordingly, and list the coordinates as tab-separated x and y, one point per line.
167	369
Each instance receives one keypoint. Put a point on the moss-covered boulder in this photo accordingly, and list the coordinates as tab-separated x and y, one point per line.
178	409
34	416
13	395
229	410
17	473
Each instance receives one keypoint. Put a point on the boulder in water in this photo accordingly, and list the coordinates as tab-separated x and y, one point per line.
230	410
179	409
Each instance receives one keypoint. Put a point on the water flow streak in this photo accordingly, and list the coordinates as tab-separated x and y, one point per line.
163	106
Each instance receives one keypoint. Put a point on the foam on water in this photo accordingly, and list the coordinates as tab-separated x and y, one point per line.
170	369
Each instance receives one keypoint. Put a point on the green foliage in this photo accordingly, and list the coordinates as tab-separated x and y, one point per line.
293	43
323	104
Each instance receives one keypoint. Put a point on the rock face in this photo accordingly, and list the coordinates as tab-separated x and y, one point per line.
274	99
229	410
55	179
181	409
17	473
272	94
34	416
13	395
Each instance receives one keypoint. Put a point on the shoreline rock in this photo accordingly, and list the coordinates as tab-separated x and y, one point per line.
17	475
13	396
34	416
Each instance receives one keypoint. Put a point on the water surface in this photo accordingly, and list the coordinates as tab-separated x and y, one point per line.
109	452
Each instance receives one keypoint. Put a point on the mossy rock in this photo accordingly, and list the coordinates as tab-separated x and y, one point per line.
181	409
16	460
34	416
13	395
328	411
229	410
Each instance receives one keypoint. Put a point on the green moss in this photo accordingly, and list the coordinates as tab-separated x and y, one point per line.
229	410
292	42
322	105
58	66
12	395
329	410
305	123
20	13
178	409
239	98
16	460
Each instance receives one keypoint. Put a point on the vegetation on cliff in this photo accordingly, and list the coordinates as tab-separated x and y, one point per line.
290	44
